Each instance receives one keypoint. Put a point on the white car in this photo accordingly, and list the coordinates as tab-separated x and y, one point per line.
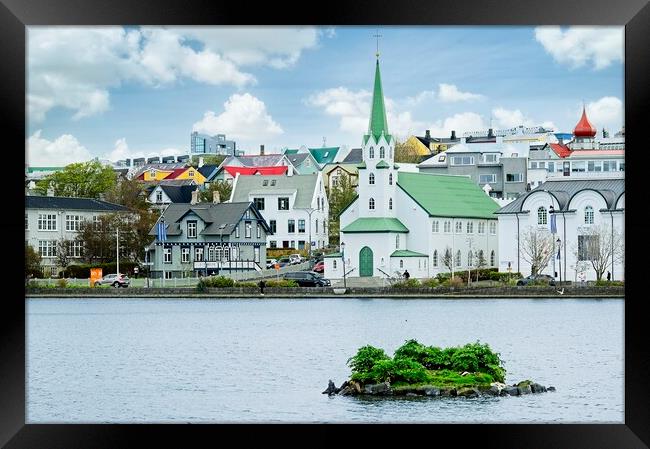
270	263
114	280
296	259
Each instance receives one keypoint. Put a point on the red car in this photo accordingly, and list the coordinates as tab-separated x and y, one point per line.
319	267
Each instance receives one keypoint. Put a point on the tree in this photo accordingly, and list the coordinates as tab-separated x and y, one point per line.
340	196
208	159
32	262
448	259
406	152
63	254
602	246
129	193
81	179
224	188
481	262
536	248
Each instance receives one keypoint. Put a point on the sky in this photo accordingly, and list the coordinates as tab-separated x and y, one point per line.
117	92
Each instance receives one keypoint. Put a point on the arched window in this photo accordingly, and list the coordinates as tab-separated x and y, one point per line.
382	153
371	204
492	261
397	241
481	257
390	179
470	259
401	263
459	227
447	227
458	258
371	153
435	258
390	204
390	152
371	178
334	264
542	216
589	215
435	226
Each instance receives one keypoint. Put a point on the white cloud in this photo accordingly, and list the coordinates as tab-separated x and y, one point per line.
75	67
461	122
606	112
577	46
121	151
62	151
449	93
506	118
244	117
425	95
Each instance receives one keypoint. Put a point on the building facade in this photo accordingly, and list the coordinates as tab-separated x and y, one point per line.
217	144
51	219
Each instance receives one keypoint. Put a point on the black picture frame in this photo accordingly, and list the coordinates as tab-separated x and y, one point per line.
15	15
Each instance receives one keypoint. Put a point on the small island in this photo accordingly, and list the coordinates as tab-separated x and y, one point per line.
469	371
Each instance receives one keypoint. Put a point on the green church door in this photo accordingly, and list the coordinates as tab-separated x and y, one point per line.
365	261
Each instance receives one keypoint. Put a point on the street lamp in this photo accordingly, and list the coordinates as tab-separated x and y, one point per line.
310	211
343	258
559	245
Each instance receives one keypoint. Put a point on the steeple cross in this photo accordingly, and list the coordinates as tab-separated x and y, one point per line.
377	36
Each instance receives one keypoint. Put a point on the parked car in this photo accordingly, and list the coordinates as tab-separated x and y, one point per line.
283	261
307	279
114	280
319	267
270	263
296	259
545	278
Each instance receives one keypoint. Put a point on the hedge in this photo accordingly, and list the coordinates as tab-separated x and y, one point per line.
82	271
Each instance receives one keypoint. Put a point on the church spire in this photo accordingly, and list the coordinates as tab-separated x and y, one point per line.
378	123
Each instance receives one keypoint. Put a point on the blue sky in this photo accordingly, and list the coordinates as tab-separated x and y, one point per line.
114	92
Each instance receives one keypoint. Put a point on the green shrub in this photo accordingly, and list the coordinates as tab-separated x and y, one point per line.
410	283
430	283
284	283
475	357
399	370
605	283
62	283
247	284
456	282
442	277
365	359
201	286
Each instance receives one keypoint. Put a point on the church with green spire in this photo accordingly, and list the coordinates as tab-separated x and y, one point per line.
407	221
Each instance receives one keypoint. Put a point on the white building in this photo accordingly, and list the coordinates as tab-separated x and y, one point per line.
295	207
580	206
407	221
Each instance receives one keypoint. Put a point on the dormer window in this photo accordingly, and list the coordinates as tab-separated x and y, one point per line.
371	153
190	173
442	158
265	182
152	173
159	196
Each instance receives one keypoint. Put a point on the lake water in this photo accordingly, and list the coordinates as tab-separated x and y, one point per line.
268	360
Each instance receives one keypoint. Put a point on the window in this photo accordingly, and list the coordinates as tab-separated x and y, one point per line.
291	225
97	223
459	227
481	227
256	254
371	204
272	182
550	167
447	227
316	222
514	177
285	243
371	178
480	257
167	255
490	158
248	228
190	173
382	153
198	254
397	241
301	244
462	160
542	216
191	229
442	158
435	258
390	204
273	244
484	179
390	179
470	259
185	255
609	165
493	228
26	222
212	250
258	229
301	226
390	152
492	258
470	227
589	215
159	196
47	222
74	249
283	203
371	153
265	182
401	263
435	226
259	203
458	260
47	248
293	244
566	168
578	166
533	165
237	231
334	264
168	274
152	173
621	166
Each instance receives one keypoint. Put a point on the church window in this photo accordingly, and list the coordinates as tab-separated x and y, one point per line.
492	259
371	204
459	227
390	204
493	228
397	241
435	227
542	217
470	227
390	152
382	153
371	178
435	258
447	227
371	153
458	261
401	263
470	259
390	179
481	227
589	215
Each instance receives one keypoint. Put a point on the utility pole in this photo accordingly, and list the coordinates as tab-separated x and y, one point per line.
309	212
118	250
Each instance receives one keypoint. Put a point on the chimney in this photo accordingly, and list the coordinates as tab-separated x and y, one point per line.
216	198
50	191
490	133
195	197
261	150
200	161
453	134
427	134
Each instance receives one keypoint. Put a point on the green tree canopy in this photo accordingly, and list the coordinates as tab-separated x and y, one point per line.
129	193
224	188
340	197
32	262
81	179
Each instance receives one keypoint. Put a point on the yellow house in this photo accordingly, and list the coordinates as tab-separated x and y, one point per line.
333	172
187	173
154	174
420	148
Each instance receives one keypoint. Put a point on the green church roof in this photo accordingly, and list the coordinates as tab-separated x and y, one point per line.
447	196
324	155
362	165
382	164
407	253
290	151
379	224
378	124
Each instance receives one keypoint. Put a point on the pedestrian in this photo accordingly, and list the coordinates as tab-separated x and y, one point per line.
261	285
609	276
406	275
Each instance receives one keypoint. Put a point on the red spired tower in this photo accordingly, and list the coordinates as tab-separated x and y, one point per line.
584	134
